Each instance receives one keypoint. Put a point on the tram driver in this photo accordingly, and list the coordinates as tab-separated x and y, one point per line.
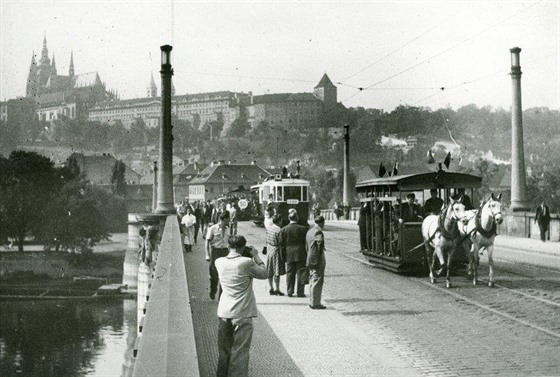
410	210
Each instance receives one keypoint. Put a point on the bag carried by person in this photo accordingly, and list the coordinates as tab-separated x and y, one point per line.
304	275
264	250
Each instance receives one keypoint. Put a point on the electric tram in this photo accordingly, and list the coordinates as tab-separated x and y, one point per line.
282	192
398	245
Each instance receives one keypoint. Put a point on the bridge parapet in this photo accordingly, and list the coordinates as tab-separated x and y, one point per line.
166	343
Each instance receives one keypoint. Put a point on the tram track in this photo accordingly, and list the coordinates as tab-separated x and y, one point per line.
511	311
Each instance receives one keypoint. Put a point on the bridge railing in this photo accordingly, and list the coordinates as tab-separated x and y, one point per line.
166	343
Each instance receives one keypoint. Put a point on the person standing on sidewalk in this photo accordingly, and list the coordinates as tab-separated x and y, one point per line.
274	263
292	246
216	247
315	246
542	217
237	306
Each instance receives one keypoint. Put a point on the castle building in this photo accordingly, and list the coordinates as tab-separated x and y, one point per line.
293	110
58	95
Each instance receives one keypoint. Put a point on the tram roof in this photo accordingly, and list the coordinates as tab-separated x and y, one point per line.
283	182
422	181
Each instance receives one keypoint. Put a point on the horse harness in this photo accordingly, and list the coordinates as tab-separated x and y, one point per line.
478	225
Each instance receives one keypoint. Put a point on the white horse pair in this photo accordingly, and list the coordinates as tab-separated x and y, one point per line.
479	234
442	236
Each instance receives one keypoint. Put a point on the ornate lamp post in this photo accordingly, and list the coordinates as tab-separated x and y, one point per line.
165	201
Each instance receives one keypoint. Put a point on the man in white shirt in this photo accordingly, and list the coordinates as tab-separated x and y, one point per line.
237	306
216	247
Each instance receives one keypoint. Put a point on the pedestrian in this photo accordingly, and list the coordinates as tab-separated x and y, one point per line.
233	219
216	247
542	217
315	246
237	306
292	246
335	210
198	224
274	263
206	214
188	221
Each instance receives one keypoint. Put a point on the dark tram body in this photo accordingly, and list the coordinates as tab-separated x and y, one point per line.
282	194
394	245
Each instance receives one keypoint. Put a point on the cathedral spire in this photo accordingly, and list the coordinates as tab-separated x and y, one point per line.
152	89
71	70
45	53
53	72
31	87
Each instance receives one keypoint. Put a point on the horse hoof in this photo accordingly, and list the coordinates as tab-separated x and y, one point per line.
433	281
475	282
448	284
491	284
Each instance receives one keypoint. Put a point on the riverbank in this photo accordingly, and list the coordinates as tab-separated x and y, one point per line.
36	273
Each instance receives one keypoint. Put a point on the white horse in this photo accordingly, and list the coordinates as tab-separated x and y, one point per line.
441	236
480	233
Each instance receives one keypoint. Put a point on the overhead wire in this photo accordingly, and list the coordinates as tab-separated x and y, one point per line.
445	50
401	47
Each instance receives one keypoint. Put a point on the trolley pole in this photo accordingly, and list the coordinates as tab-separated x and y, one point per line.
518	180
165	202
154	188
346	182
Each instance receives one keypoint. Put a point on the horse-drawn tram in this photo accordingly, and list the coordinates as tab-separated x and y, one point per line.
393	210
280	193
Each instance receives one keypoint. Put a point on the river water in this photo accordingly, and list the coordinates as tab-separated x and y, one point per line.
59	338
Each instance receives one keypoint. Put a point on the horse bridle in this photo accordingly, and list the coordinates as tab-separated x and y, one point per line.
494	214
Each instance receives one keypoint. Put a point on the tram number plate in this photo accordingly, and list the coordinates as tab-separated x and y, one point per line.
292	201
242	203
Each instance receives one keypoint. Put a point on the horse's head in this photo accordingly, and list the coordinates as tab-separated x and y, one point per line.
495	207
456	210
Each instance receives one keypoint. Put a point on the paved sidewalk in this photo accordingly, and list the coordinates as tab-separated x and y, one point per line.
290	339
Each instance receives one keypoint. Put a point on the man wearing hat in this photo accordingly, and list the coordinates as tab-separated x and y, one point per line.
237	305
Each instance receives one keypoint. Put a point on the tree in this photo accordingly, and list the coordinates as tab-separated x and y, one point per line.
118	181
240	126
78	222
29	183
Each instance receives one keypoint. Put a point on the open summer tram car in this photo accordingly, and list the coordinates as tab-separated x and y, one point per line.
393	245
281	193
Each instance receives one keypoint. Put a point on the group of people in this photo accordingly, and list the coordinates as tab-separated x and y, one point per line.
292	250
199	216
233	266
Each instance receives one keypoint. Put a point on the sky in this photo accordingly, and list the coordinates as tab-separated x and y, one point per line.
430	54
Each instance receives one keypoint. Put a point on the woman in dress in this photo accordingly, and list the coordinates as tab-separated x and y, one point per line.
188	221
275	263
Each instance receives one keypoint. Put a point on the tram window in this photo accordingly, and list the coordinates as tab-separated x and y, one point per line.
304	196
265	192
292	193
279	194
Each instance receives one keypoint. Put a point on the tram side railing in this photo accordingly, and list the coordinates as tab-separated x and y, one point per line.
166	343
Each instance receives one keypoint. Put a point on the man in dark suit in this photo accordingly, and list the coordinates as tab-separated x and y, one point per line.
315	245
292	247
542	217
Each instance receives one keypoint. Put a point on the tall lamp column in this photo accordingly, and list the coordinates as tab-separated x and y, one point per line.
165	201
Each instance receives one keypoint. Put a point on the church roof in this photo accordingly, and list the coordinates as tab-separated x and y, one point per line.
85	79
325	82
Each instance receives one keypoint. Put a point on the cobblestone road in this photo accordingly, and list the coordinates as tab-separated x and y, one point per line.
418	329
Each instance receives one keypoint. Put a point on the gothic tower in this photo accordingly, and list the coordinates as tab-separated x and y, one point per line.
152	89
71	69
31	88
326	91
